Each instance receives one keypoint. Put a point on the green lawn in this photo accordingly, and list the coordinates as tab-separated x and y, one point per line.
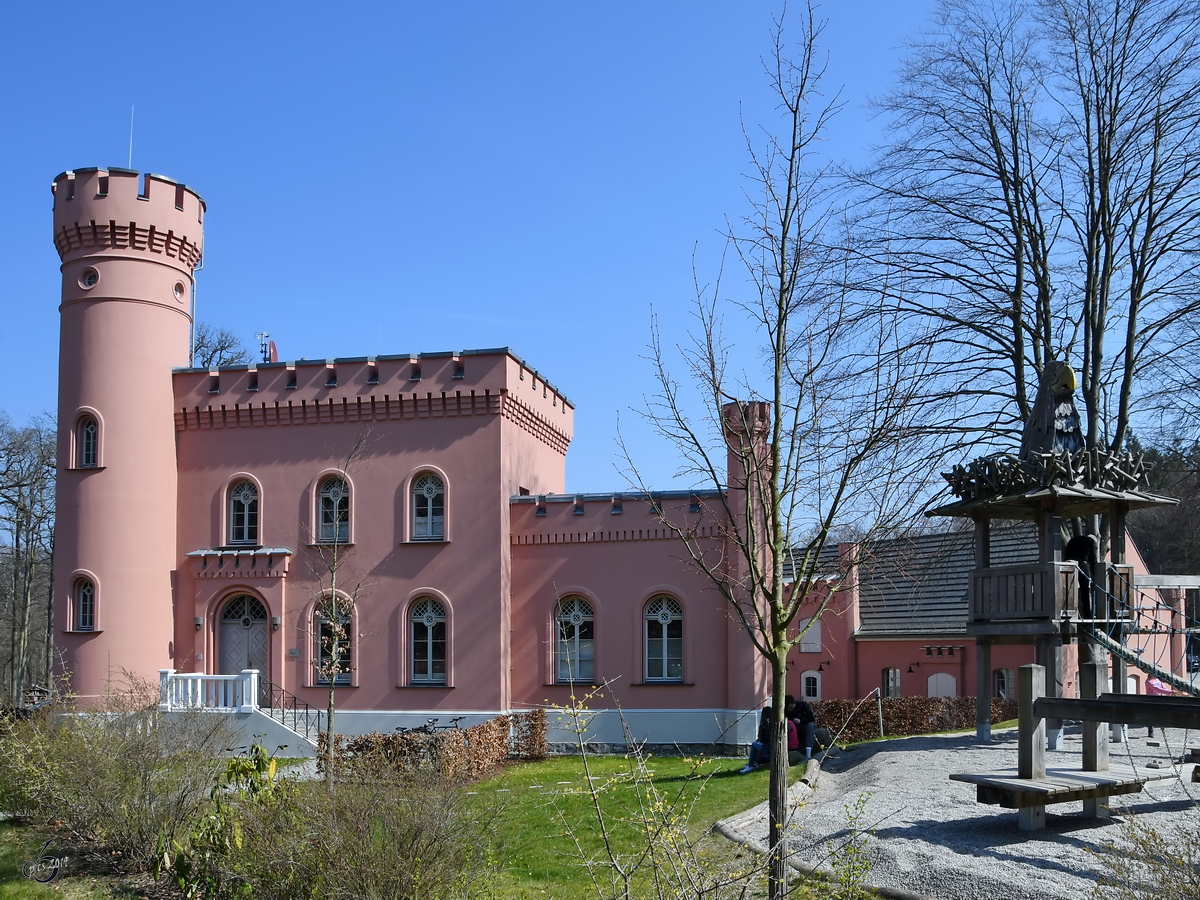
539	802
533	805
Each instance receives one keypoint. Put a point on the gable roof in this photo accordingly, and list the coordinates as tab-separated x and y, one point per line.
918	585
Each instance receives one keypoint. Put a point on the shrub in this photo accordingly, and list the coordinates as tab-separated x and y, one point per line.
1148	863
904	716
393	836
116	779
454	754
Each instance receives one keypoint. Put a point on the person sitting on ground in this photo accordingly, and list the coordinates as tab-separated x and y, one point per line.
806	726
760	750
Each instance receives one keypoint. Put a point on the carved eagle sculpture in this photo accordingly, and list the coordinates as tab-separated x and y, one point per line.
1054	424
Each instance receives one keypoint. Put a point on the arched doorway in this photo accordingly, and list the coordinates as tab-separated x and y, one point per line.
245	640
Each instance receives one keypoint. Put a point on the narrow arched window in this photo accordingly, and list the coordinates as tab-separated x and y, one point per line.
335	647
576	641
428	633
243	513
88	443
429	509
664	640
1003	684
335	512
85	605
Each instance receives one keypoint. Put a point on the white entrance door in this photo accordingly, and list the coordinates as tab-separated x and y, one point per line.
245	640
942	684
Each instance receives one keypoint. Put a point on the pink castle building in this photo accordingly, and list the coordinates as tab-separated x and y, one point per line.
198	510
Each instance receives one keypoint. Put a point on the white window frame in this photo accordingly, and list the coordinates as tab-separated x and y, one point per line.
84	613
805	686
427	613
660	614
427	526
1007	691
88	442
890	682
575	656
243	502
321	622
333	511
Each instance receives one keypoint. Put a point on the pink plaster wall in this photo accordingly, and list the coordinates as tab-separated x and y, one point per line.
619	562
119	340
473	430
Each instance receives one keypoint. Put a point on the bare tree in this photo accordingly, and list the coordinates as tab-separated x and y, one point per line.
214	346
1038	199
27	478
338	589
821	438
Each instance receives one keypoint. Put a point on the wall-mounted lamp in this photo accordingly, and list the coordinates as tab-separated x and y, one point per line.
910	667
821	666
274	623
199	620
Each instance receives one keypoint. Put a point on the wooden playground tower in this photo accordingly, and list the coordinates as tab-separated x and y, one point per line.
1074	593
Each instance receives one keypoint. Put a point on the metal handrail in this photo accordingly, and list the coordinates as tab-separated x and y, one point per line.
293	712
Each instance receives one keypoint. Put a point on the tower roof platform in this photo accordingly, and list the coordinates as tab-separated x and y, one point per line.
1069	501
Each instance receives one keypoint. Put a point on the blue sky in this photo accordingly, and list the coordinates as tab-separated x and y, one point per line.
390	178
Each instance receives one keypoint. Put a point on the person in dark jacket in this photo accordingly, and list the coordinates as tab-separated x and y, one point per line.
760	750
801	714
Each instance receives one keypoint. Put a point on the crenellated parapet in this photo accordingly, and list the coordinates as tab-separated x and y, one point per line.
116	210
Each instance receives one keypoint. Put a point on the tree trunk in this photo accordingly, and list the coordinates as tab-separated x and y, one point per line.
778	801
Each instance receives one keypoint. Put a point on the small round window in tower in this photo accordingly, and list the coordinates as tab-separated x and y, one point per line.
88	278
180	291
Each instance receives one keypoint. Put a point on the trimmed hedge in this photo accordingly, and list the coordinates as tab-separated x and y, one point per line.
904	716
456	754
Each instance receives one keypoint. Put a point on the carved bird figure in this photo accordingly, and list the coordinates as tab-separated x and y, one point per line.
1054	424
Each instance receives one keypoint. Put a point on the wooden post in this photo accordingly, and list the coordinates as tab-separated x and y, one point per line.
1092	676
1048	654
983	689
1031	740
1119	675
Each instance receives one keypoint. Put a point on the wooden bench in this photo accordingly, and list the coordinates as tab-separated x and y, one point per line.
1031	786
1008	790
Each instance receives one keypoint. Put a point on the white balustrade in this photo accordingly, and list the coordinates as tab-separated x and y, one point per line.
195	690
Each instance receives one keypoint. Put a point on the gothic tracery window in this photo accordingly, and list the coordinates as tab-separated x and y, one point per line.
664	640
243	513
576	644
334	527
429	508
427	624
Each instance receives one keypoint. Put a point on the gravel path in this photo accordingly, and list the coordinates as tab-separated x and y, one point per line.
931	836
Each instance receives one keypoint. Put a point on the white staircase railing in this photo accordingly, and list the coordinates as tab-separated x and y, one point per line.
195	690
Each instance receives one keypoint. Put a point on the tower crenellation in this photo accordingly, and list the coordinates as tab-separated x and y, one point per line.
104	216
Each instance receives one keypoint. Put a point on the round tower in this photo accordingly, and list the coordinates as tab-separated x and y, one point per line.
129	247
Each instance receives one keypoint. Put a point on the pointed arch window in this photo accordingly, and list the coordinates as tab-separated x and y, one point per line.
88	443
335	647
429	508
243	513
334	526
85	605
576	645
427	629
664	640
